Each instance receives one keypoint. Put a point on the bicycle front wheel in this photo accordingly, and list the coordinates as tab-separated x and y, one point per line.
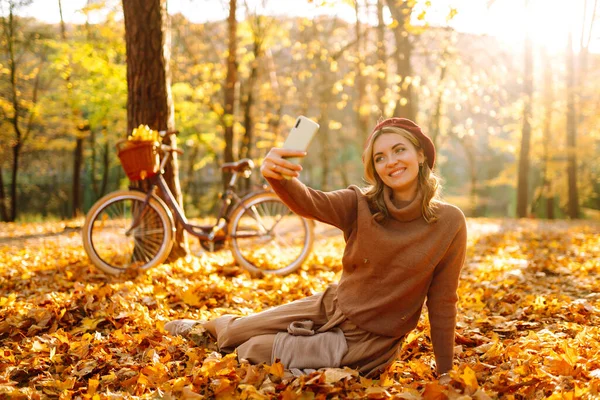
267	237
120	233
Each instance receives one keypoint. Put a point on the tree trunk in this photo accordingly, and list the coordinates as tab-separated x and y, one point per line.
78	151
246	147
547	190
405	106
523	176
9	30
434	125
275	118
230	83
259	27
381	60
362	111
573	205
3	210
324	138
473	190
95	188
473	165
149	99
13	184
105	168
105	164
76	189
323	120
188	182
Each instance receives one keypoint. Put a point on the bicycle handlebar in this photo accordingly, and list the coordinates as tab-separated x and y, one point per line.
166	148
166	133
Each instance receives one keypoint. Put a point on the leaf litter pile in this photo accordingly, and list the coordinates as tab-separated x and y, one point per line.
528	325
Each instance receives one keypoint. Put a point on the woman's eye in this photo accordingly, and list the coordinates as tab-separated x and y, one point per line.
399	150
378	159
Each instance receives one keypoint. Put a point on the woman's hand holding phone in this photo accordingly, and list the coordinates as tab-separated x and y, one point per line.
277	166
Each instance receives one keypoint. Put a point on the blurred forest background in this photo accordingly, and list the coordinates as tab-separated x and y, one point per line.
517	128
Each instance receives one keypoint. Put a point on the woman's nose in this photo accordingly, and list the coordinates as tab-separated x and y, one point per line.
392	160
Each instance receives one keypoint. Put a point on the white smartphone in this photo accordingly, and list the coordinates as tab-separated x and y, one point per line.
300	136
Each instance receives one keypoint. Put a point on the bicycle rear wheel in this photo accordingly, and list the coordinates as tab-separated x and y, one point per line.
112	242
267	237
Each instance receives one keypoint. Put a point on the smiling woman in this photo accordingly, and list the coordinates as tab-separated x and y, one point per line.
402	243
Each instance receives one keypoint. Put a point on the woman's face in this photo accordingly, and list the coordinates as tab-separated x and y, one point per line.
396	161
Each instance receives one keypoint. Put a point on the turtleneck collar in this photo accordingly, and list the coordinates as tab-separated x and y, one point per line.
409	212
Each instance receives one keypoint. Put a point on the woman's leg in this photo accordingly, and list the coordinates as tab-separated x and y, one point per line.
231	331
257	349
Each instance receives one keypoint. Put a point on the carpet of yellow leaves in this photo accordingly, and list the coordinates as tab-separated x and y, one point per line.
528	322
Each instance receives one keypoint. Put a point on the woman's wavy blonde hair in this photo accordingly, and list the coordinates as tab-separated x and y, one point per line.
429	183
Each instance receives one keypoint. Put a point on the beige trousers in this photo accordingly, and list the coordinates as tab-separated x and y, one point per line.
265	336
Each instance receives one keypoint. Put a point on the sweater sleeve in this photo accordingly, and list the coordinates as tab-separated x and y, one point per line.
337	208
442	299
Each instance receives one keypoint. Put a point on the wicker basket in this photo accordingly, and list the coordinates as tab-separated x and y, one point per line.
139	158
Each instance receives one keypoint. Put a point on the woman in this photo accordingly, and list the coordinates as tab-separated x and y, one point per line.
403	246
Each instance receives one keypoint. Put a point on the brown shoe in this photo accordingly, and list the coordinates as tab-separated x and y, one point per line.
180	327
199	335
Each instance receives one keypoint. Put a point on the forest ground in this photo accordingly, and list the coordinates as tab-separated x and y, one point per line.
528	324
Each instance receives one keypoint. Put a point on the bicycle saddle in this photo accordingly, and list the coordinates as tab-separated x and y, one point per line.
242	165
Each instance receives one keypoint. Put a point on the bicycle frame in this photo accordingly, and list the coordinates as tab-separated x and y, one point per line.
202	232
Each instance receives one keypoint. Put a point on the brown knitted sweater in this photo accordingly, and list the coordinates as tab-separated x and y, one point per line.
390	268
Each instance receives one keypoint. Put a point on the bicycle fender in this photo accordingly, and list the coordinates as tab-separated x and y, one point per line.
252	194
311	222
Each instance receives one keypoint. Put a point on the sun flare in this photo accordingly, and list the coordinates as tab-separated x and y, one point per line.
546	21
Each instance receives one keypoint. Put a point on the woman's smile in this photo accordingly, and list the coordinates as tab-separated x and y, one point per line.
397	172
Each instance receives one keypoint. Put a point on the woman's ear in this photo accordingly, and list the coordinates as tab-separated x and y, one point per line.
421	157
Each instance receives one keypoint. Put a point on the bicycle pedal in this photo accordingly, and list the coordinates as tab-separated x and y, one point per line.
214	245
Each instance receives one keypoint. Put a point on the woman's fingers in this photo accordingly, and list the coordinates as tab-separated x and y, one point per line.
270	169
281	158
286	170
287	164
286	152
277	167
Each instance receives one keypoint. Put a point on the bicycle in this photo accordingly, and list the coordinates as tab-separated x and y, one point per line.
134	229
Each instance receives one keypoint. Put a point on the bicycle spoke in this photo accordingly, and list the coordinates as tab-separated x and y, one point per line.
257	218
281	238
143	232
146	254
137	250
150	242
278	220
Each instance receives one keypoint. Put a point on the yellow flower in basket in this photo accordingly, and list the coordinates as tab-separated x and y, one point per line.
138	154
143	132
